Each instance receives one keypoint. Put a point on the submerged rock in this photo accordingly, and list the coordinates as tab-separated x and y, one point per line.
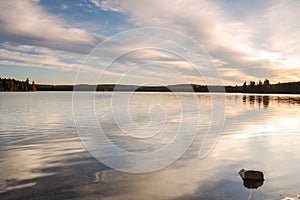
252	179
252	184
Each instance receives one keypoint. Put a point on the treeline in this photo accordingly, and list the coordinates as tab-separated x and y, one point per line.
54	87
266	88
12	85
83	87
250	87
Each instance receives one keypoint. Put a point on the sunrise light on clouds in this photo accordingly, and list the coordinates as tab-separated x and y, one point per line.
247	40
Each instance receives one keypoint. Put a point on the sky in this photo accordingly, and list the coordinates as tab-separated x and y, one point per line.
150	42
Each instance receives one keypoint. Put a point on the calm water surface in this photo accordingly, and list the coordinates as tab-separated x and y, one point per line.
41	155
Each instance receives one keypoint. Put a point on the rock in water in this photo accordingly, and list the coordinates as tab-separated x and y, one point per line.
252	179
252	184
252	175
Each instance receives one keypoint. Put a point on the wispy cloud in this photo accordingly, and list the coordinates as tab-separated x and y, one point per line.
61	61
26	22
107	5
245	43
246	40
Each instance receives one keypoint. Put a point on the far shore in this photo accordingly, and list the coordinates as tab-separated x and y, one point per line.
12	85
279	88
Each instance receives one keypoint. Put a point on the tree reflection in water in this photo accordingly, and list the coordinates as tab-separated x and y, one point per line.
258	99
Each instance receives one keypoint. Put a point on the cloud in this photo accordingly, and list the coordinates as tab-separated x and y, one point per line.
246	37
247	41
106	5
31	56
60	61
26	22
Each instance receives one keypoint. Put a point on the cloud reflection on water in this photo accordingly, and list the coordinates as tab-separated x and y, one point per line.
47	160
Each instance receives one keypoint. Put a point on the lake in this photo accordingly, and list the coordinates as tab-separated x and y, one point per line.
42	156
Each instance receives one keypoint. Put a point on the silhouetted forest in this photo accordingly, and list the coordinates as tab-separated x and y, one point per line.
266	88
12	85
251	87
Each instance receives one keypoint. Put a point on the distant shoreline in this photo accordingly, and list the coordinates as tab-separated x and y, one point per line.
280	88
12	85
